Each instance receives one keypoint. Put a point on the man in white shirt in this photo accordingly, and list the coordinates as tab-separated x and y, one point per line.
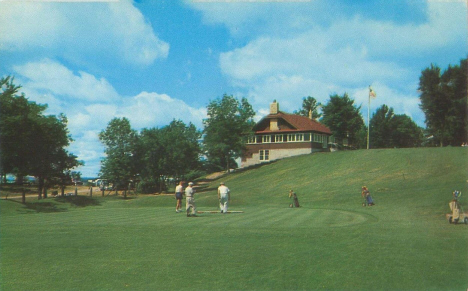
224	197
179	190
190	200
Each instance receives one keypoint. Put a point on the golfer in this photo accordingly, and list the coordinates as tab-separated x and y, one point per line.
189	200
179	193
224	197
366	194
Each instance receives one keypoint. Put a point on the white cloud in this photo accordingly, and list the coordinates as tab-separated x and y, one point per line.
78	97
343	55
74	30
147	109
47	75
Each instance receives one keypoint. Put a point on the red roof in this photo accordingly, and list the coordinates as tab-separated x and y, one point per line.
296	123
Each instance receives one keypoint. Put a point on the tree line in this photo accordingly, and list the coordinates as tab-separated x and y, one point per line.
177	151
443	96
32	143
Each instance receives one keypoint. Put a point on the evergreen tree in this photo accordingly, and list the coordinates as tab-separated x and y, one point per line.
444	103
344	120
388	130
309	106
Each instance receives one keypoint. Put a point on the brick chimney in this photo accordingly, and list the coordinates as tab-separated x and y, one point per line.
274	107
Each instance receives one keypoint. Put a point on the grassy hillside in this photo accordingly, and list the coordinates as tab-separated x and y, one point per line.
330	243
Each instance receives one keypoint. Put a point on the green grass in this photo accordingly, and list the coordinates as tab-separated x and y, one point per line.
330	243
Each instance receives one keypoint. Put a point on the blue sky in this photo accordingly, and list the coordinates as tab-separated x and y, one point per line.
153	61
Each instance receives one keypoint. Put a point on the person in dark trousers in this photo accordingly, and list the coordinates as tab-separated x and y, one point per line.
295	201
365	193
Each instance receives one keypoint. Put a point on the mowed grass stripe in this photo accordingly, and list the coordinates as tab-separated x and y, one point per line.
160	216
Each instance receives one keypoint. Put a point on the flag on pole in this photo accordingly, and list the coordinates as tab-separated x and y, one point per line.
372	93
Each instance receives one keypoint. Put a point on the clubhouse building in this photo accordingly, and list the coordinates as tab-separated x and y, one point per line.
280	135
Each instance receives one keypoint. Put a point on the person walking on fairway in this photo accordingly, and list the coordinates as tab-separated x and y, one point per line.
190	200
224	197
179	193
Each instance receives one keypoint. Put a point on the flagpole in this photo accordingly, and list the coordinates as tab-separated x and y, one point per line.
368	119
371	94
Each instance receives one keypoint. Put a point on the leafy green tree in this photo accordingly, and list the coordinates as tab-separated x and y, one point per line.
64	173
31	143
226	128
182	148
444	102
16	134
344	119
51	137
388	130
405	132
150	158
172	151
119	165
380	127
309	106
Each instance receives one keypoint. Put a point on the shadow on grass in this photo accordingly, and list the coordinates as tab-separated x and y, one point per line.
129	198
42	207
57	205
79	201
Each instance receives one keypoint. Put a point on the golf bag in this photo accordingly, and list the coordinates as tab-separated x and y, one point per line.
296	201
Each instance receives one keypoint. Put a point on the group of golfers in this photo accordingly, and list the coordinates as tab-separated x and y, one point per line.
224	197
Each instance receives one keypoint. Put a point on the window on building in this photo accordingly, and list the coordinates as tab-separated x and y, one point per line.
266	139
306	136
318	138
264	155
291	137
279	138
299	137
251	139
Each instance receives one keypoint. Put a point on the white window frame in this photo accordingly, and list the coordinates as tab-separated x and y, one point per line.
264	155
251	139
295	137
279	138
266	138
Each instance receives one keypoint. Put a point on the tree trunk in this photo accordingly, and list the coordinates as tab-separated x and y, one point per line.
63	190
23	195
45	192
40	187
